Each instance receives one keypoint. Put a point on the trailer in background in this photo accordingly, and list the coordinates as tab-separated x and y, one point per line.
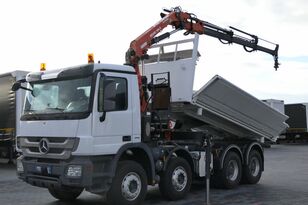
298	122
10	111
275	104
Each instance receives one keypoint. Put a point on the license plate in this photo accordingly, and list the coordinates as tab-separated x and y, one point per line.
44	170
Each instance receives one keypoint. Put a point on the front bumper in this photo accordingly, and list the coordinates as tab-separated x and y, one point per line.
53	173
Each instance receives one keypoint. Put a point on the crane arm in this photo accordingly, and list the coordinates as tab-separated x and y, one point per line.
181	20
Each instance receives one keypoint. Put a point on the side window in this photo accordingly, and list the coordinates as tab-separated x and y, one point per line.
112	94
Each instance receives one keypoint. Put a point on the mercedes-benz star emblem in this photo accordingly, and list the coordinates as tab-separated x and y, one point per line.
43	146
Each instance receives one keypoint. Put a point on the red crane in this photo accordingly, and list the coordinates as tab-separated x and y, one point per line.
188	22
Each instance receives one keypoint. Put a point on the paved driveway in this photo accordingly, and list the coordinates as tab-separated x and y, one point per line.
284	181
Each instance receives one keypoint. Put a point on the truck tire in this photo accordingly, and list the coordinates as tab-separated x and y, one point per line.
252	172
176	180
129	185
65	193
230	175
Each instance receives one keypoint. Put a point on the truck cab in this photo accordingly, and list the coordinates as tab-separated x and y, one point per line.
91	97
74	118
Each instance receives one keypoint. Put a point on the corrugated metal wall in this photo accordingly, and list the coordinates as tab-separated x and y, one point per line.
297	114
7	102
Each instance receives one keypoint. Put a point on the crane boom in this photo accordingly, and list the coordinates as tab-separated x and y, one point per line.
188	22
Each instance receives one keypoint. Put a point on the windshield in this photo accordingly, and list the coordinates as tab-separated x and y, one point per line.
52	97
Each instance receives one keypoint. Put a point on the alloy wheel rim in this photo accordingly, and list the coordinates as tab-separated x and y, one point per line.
131	186
179	178
232	170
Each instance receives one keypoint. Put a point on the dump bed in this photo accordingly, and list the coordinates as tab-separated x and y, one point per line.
223	107
229	108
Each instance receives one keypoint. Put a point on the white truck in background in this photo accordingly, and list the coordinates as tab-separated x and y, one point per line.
275	104
10	111
106	129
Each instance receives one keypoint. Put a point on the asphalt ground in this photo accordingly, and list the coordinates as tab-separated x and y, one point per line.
284	181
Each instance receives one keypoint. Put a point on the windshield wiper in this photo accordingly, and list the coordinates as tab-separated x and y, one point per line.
31	115
55	109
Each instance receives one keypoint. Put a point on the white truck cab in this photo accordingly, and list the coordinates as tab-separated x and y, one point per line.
93	97
78	117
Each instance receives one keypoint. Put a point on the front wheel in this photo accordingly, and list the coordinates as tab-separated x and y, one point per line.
65	193
176	179
129	185
253	171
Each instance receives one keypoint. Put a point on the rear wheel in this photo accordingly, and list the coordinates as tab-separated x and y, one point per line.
230	175
129	185
176	179
65	193
253	171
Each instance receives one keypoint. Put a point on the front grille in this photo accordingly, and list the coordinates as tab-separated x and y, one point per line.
58	147
50	139
34	149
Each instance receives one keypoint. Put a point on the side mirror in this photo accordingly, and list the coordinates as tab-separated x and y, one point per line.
16	86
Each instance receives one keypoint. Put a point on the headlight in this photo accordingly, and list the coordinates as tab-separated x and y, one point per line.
19	166
74	171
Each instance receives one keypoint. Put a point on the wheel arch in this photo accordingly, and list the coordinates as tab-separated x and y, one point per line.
254	146
230	148
183	153
140	153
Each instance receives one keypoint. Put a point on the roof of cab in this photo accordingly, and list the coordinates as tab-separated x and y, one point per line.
114	67
82	71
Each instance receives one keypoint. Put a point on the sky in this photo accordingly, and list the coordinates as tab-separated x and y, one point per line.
61	33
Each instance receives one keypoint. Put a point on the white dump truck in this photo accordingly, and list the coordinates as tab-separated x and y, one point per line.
10	111
108	130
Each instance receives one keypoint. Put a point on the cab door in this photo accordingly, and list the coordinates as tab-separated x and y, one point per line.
112	113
